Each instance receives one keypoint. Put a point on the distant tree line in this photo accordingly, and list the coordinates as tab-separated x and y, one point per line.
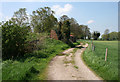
110	35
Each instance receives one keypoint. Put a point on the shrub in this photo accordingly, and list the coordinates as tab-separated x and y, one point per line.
35	41
13	40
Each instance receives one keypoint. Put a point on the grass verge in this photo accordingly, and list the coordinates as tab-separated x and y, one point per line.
108	70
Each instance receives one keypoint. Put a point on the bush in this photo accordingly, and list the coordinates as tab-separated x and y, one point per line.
13	40
35	41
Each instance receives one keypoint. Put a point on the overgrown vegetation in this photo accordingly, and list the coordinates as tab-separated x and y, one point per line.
13	40
33	65
108	70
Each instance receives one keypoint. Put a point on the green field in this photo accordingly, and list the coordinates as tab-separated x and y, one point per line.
108	70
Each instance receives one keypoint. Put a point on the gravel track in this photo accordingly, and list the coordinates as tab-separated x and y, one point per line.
70	67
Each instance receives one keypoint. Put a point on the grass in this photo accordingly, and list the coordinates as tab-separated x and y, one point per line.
66	62
76	43
33	65
83	41
76	67
108	70
73	52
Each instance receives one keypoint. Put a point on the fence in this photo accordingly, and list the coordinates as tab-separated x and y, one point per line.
106	51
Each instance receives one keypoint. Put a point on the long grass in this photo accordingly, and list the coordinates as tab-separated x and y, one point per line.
33	65
108	70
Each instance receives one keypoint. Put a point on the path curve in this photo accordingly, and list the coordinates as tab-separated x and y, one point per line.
70	67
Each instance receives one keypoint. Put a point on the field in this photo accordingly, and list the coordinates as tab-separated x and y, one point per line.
33	65
108	70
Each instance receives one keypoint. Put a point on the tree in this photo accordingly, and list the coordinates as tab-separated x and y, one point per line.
43	20
106	34
75	28
13	39
119	35
95	35
20	17
64	18
85	31
113	36
59	30
106	31
66	30
89	36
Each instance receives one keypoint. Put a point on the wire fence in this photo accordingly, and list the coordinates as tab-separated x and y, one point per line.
93	49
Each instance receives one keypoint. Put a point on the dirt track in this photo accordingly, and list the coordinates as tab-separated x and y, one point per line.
70	67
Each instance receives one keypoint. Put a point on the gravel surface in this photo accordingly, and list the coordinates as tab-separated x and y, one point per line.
70	67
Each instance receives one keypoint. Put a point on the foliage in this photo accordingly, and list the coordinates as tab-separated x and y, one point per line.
59	31
106	31
85	31
66	31
43	20
95	35
75	28
105	36
119	35
79	31
13	39
20	17
63	28
108	70
64	18
113	36
35	41
110	36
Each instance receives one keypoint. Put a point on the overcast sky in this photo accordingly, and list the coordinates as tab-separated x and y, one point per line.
97	15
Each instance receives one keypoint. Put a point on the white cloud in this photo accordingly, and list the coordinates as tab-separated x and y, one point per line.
59	11
90	21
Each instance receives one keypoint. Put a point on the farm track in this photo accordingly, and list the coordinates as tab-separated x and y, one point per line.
70	67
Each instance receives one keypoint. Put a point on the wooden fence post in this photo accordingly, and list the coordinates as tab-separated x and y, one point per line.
92	46
106	54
